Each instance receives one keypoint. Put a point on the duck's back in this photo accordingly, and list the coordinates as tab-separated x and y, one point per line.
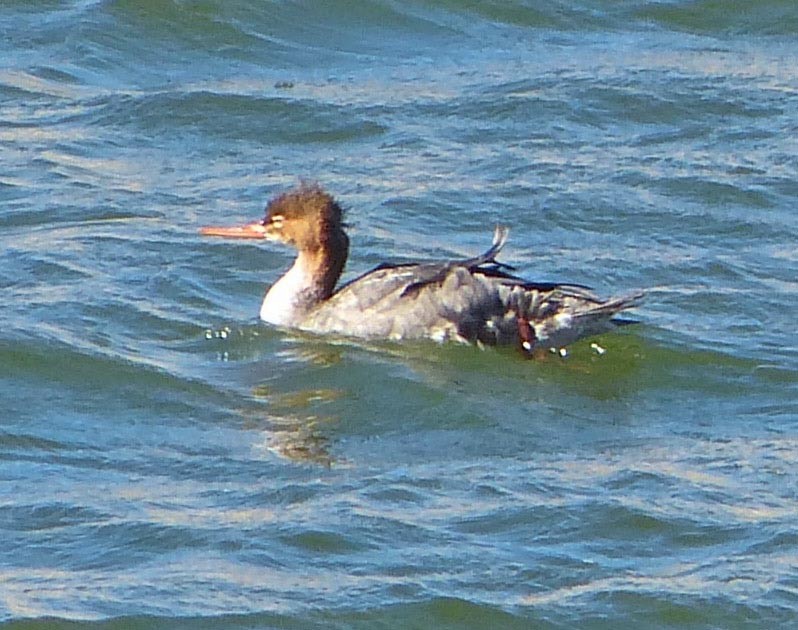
469	300
435	300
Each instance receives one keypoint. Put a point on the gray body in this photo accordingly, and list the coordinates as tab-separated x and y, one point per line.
472	300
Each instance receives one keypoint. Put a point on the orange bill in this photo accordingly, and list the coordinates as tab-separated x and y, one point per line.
251	230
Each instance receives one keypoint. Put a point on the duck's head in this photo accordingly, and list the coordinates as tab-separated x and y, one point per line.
307	218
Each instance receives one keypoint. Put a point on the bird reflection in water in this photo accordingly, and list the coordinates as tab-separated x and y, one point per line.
292	426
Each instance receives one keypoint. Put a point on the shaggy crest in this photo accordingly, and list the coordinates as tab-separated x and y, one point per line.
308	202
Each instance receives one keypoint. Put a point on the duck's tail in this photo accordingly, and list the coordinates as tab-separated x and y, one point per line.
609	308
563	315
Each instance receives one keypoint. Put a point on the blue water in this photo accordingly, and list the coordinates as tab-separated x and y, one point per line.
168	461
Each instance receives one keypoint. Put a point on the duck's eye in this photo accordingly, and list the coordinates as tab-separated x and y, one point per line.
276	220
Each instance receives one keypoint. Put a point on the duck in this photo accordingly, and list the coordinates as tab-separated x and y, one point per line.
476	300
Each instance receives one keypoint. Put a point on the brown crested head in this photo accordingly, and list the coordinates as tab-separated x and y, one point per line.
305	217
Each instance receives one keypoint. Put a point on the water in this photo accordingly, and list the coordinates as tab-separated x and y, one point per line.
167	461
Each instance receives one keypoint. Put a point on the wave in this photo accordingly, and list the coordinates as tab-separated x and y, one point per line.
269	119
618	605
289	27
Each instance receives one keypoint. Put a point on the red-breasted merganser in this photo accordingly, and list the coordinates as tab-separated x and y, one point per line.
471	300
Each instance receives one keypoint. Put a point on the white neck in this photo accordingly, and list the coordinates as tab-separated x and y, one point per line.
310	281
290	298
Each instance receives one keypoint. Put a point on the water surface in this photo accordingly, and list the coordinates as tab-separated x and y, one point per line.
168	461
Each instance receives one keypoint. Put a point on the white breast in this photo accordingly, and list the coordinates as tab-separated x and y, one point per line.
284	304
